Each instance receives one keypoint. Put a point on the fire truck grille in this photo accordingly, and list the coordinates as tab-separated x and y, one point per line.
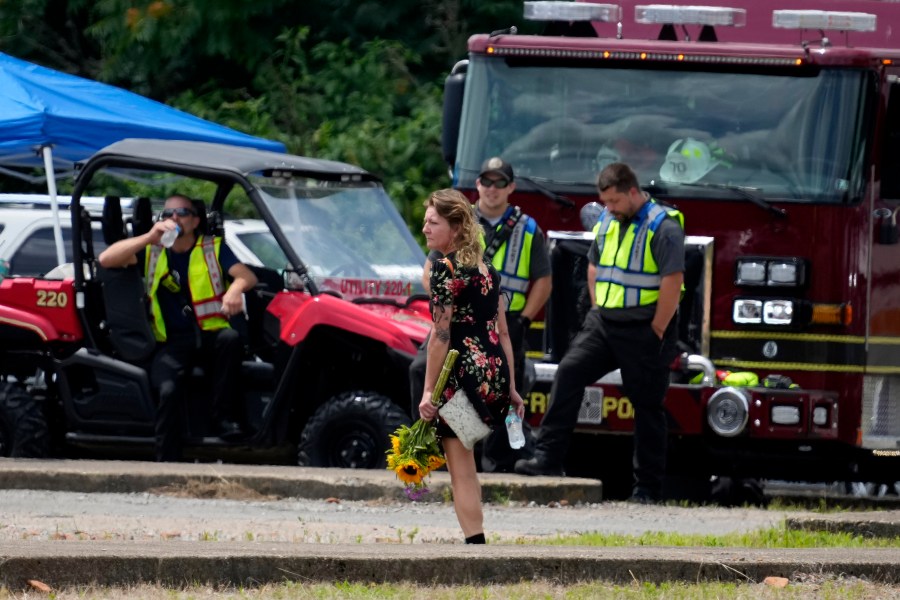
881	412
591	410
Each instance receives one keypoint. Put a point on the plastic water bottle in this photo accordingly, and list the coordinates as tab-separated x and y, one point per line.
169	236
514	429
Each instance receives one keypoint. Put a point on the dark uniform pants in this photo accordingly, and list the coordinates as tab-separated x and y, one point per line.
600	347
220	353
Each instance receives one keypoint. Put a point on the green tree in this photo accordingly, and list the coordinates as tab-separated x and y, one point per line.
162	47
330	100
51	33
325	80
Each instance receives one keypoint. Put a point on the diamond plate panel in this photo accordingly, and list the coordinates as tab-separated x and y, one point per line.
881	412
591	411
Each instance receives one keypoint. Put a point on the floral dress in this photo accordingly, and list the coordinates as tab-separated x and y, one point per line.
481	368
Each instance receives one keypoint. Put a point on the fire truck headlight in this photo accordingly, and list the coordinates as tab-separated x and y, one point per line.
820	415
778	312
727	411
750	272
786	415
787	272
748	311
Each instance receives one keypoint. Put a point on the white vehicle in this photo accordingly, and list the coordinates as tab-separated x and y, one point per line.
28	249
27	245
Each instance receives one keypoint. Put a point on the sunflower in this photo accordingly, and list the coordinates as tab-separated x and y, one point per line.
415	450
435	462
414	453
409	471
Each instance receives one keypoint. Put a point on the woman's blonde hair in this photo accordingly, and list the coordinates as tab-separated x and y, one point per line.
457	210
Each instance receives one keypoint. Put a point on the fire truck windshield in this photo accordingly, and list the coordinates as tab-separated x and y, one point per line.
788	134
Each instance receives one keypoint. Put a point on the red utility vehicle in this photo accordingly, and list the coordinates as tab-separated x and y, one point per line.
329	331
775	129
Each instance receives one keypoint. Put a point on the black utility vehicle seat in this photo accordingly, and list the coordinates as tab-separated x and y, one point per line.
141	216
127	317
200	209
113	226
127	320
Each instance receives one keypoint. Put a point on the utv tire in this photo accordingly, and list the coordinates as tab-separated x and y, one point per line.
350	431
23	428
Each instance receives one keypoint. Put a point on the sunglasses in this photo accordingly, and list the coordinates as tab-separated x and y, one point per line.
497	183
180	212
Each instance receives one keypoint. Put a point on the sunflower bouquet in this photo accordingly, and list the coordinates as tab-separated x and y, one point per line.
415	451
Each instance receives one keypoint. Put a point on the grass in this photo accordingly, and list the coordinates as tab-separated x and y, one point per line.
810	587
782	537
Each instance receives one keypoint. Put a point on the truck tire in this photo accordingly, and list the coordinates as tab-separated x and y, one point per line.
23	428
351	431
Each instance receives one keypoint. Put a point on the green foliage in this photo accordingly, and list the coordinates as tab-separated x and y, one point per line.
352	80
328	100
50	33
160	46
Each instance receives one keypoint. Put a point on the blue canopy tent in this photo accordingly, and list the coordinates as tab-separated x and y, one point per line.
53	120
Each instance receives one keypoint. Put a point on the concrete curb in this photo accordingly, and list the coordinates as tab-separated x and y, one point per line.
90	476
62	564
870	525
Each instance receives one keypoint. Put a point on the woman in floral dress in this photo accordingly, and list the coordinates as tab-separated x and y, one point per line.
467	316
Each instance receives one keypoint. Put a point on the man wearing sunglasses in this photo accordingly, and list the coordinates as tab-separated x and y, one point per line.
191	301
515	246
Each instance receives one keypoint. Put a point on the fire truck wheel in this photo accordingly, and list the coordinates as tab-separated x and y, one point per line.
23	428
351	431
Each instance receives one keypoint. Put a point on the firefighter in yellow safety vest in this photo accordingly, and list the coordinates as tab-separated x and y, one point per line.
635	278
191	301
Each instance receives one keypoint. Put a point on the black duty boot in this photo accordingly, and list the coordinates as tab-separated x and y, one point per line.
539	465
229	430
642	496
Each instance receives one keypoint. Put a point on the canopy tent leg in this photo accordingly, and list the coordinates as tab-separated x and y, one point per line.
47	153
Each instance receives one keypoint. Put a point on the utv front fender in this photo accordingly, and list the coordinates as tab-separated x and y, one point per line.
299	314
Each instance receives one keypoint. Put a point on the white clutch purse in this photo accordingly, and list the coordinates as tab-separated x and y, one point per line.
464	420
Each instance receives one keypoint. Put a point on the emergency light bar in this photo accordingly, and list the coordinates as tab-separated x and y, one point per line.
823	19
572	11
648	56
670	14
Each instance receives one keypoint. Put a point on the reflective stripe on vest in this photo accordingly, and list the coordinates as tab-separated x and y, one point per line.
513	260
206	283
627	273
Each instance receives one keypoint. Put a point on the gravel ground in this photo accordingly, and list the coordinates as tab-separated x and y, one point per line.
45	515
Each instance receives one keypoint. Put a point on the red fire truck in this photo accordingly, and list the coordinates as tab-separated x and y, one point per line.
775	129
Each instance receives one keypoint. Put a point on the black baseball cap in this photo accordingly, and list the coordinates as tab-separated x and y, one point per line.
497	166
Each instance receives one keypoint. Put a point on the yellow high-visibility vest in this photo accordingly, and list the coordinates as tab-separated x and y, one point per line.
627	274
513	260
207	285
